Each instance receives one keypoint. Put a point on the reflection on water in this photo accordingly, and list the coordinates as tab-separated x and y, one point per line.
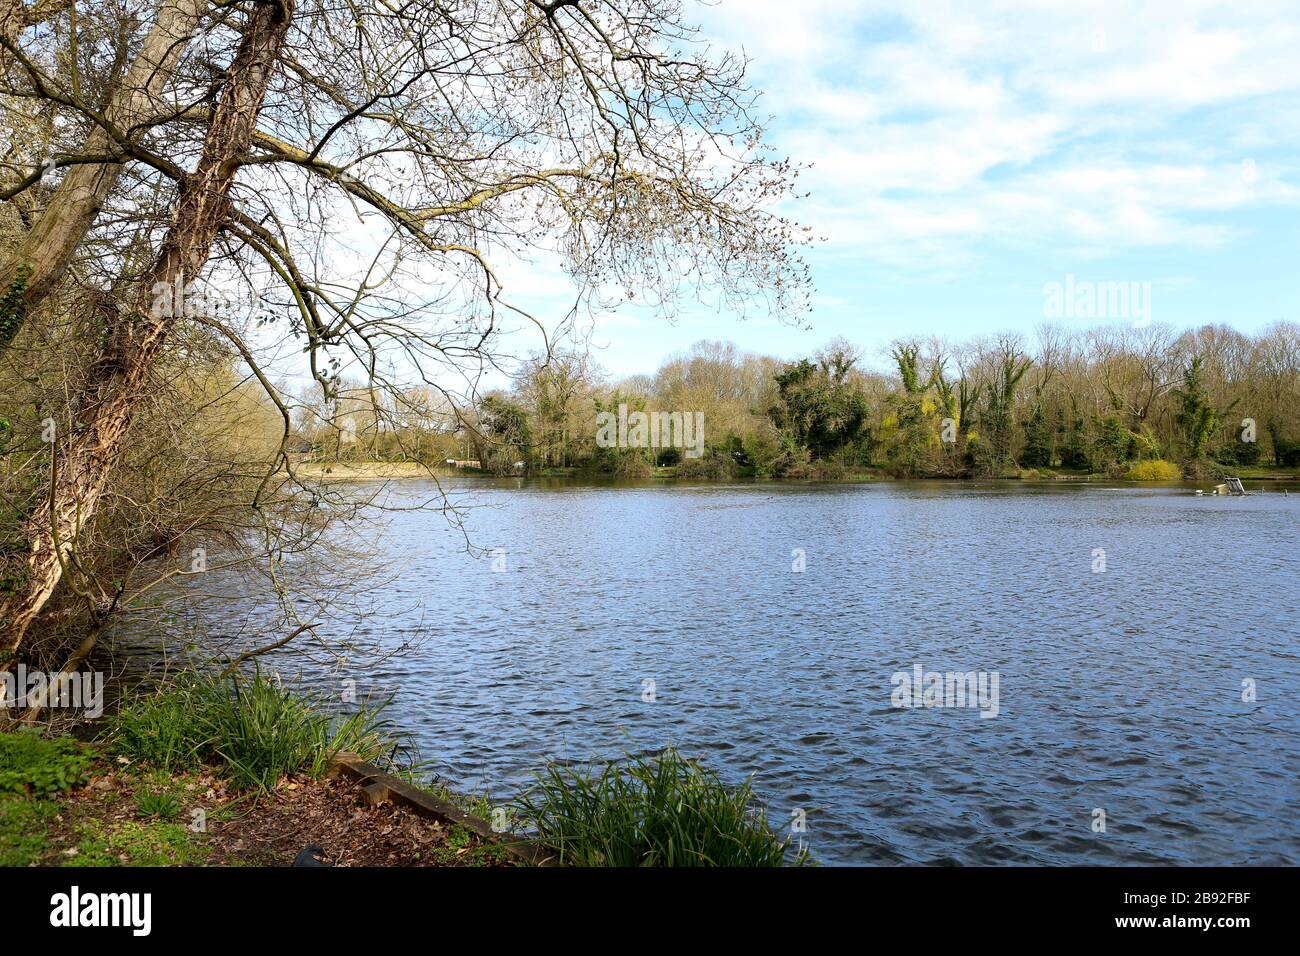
1119	690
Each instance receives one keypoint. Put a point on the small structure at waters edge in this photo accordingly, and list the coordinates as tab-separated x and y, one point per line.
1230	486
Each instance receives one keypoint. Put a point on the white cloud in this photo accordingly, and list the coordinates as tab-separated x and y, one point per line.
937	127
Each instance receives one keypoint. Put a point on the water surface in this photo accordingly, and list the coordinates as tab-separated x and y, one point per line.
1120	689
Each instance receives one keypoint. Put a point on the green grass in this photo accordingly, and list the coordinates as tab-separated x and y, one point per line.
465	848
1267	472
475	804
166	729
34	769
254	729
662	810
135	843
24	829
34	765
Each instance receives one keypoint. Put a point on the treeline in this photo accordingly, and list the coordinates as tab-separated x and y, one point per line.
1115	401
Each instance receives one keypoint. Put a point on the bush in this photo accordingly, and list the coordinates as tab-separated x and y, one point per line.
32	765
1287	453
166	729
707	468
651	811
257	730
814	471
767	451
1247	452
1154	470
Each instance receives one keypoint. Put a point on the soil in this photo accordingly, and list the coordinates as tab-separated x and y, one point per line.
265	830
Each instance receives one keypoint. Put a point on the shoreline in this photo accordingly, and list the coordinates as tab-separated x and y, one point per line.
389	471
374	470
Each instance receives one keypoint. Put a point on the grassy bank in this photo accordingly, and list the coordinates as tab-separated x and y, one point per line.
215	771
223	771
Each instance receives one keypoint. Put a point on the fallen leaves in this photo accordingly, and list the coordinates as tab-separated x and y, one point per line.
269	829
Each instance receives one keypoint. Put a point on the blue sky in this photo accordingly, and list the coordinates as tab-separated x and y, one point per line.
966	154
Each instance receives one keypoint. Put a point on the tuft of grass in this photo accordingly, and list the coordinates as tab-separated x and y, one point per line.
40	767
465	848
158	804
661	810
475	804
256	730
167	729
265	731
1156	469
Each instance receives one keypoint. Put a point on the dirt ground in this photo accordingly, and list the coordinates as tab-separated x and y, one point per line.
123	818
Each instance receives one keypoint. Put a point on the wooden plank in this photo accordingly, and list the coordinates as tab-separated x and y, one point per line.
374	782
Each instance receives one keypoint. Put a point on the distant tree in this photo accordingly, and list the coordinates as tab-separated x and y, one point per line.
1113	445
1037	452
556	388
503	437
819	407
913	430
1074	447
999	408
1197	418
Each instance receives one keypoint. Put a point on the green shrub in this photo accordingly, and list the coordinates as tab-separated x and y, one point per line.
631	467
254	729
814	471
1246	452
710	467
1154	470
650	811
167	729
1286	453
263	731
37	766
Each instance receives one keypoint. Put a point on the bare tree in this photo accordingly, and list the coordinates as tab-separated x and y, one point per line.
29	271
598	134
85	459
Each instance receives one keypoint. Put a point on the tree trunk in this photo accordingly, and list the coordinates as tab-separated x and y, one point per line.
86	457
36	263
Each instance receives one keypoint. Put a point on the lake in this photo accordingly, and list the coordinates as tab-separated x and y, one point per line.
1145	645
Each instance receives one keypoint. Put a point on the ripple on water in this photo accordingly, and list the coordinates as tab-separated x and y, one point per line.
1120	691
